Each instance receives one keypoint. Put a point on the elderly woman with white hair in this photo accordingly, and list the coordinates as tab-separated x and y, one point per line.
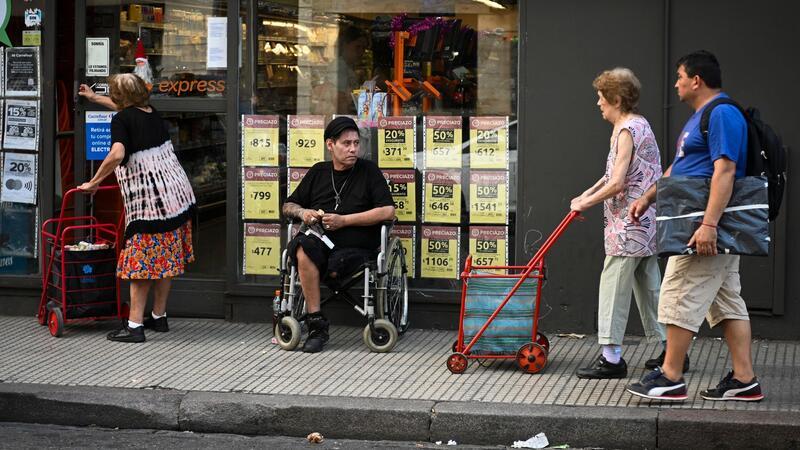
632	166
158	199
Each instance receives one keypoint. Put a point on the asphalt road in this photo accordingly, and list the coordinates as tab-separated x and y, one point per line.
32	436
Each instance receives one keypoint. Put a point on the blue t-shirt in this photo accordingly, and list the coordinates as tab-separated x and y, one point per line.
727	137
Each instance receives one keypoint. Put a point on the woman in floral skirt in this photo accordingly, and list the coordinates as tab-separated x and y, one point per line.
158	199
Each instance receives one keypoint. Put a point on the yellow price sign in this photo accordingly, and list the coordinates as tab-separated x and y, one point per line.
397	142
408	237
488	194
305	139
488	246
488	142
442	196
295	176
403	186
260	193
439	256
442	141
262	249
260	140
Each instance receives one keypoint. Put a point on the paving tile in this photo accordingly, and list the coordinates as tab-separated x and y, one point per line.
218	356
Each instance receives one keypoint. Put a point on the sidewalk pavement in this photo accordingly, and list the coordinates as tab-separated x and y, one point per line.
216	376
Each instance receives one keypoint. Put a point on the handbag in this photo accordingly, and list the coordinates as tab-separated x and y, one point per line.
743	228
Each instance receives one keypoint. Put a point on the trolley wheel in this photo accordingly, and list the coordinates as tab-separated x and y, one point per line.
532	357
543	341
55	322
457	363
383	338
288	333
454	347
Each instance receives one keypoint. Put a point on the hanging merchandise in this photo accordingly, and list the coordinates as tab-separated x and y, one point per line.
142	68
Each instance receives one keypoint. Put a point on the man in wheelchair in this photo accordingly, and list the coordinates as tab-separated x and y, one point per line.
342	202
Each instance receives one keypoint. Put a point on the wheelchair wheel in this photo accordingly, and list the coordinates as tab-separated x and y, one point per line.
383	338
288	333
393	288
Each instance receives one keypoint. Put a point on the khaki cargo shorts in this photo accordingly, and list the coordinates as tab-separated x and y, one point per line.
695	287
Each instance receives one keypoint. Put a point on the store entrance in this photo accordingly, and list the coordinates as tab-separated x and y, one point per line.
169	44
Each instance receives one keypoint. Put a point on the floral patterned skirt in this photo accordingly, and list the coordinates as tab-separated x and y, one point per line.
157	255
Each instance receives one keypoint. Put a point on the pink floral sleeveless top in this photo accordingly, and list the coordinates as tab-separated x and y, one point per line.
622	237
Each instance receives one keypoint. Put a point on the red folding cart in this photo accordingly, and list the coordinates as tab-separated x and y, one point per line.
79	282
500	312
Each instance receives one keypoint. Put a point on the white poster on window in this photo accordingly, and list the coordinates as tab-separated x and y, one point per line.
97	57
19	178
217	43
21	130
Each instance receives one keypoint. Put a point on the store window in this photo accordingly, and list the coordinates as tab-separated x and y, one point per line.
21	189
183	42
434	88
199	141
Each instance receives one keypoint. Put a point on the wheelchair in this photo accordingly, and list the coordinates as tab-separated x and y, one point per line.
382	282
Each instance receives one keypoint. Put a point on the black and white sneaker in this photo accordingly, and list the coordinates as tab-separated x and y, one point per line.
656	386
730	388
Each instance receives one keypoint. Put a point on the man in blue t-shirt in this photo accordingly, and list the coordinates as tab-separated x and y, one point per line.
705	285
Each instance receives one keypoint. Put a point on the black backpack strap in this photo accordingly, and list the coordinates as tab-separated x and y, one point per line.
706	117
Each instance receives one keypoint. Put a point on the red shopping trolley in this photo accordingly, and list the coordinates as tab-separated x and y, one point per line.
500	312
79	280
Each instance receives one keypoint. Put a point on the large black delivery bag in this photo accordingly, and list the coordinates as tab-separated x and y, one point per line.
742	230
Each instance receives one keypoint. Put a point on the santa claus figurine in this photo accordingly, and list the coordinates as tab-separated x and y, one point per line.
142	68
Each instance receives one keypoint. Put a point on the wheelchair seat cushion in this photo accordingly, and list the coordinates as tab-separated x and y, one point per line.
339	262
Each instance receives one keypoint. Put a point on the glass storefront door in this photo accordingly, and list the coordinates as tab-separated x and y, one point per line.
184	43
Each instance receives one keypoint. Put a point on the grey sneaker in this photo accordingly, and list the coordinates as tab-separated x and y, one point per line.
656	386
730	388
